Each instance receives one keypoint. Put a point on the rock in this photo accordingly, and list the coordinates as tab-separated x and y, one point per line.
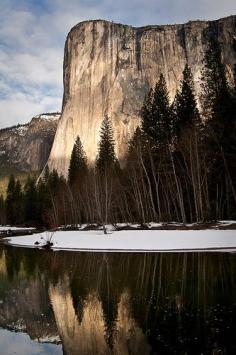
27	147
109	67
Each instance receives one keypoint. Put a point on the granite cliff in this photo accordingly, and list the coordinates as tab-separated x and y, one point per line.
27	147
109	67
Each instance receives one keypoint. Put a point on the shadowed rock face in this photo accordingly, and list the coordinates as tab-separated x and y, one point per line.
108	69
27	147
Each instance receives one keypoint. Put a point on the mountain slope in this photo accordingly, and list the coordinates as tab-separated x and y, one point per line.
27	147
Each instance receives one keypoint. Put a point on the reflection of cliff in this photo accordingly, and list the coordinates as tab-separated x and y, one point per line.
129	338
86	337
89	335
120	303
3	268
24	304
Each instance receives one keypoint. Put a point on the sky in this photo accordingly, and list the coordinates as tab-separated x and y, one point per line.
33	33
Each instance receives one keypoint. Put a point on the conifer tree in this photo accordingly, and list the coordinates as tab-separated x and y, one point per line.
14	202
106	159
185	105
19	207
220	115
31	210
78	163
10	199
216	99
147	114
136	145
156	115
2	211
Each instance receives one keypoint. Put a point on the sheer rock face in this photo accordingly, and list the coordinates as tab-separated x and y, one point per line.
108	69
27	147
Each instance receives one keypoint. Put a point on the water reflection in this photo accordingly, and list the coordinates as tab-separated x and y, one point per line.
120	303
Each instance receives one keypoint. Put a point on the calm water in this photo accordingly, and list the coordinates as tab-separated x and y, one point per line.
81	303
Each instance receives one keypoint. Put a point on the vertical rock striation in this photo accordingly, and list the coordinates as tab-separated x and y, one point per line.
109	67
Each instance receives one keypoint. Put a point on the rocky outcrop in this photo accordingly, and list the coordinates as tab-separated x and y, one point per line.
27	147
109	67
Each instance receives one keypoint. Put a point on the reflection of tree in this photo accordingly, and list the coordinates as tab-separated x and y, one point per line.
78	294
114	301
12	263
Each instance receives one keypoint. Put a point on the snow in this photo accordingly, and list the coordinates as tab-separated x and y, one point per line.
22	129
132	240
149	225
50	117
7	228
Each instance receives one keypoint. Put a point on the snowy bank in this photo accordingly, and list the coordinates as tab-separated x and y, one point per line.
7	228
131	241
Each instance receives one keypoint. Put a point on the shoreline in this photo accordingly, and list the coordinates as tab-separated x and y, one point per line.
136	241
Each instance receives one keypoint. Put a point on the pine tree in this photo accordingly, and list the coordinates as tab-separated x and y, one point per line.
216	99
78	163
54	181
106	159
2	211
18	205
157	116
148	122
220	114
136	145
14	202
31	211
10	208
185	106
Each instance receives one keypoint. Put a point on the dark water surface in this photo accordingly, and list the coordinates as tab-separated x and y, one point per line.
96	303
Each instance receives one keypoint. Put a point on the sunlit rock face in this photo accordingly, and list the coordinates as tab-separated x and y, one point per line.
128	335
88	335
108	69
27	147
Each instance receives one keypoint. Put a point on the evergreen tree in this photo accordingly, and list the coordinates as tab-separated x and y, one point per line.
220	115
53	182
157	116
136	146
148	122
78	163
10	199
216	99
185	105
31	202
106	159
44	203
2	211
14	202
18	205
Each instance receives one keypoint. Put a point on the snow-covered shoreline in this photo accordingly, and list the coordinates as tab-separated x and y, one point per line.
132	241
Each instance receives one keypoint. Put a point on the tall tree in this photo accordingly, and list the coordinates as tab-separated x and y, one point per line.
10	200
78	163
215	96
185	105
156	114
14	202
31	210
106	159
220	116
2	211
19	203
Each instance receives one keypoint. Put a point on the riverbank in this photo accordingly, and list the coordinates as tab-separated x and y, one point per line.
131	240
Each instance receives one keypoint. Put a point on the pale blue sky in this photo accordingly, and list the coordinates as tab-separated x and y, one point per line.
33	32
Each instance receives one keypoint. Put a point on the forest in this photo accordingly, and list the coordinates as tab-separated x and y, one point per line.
180	164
